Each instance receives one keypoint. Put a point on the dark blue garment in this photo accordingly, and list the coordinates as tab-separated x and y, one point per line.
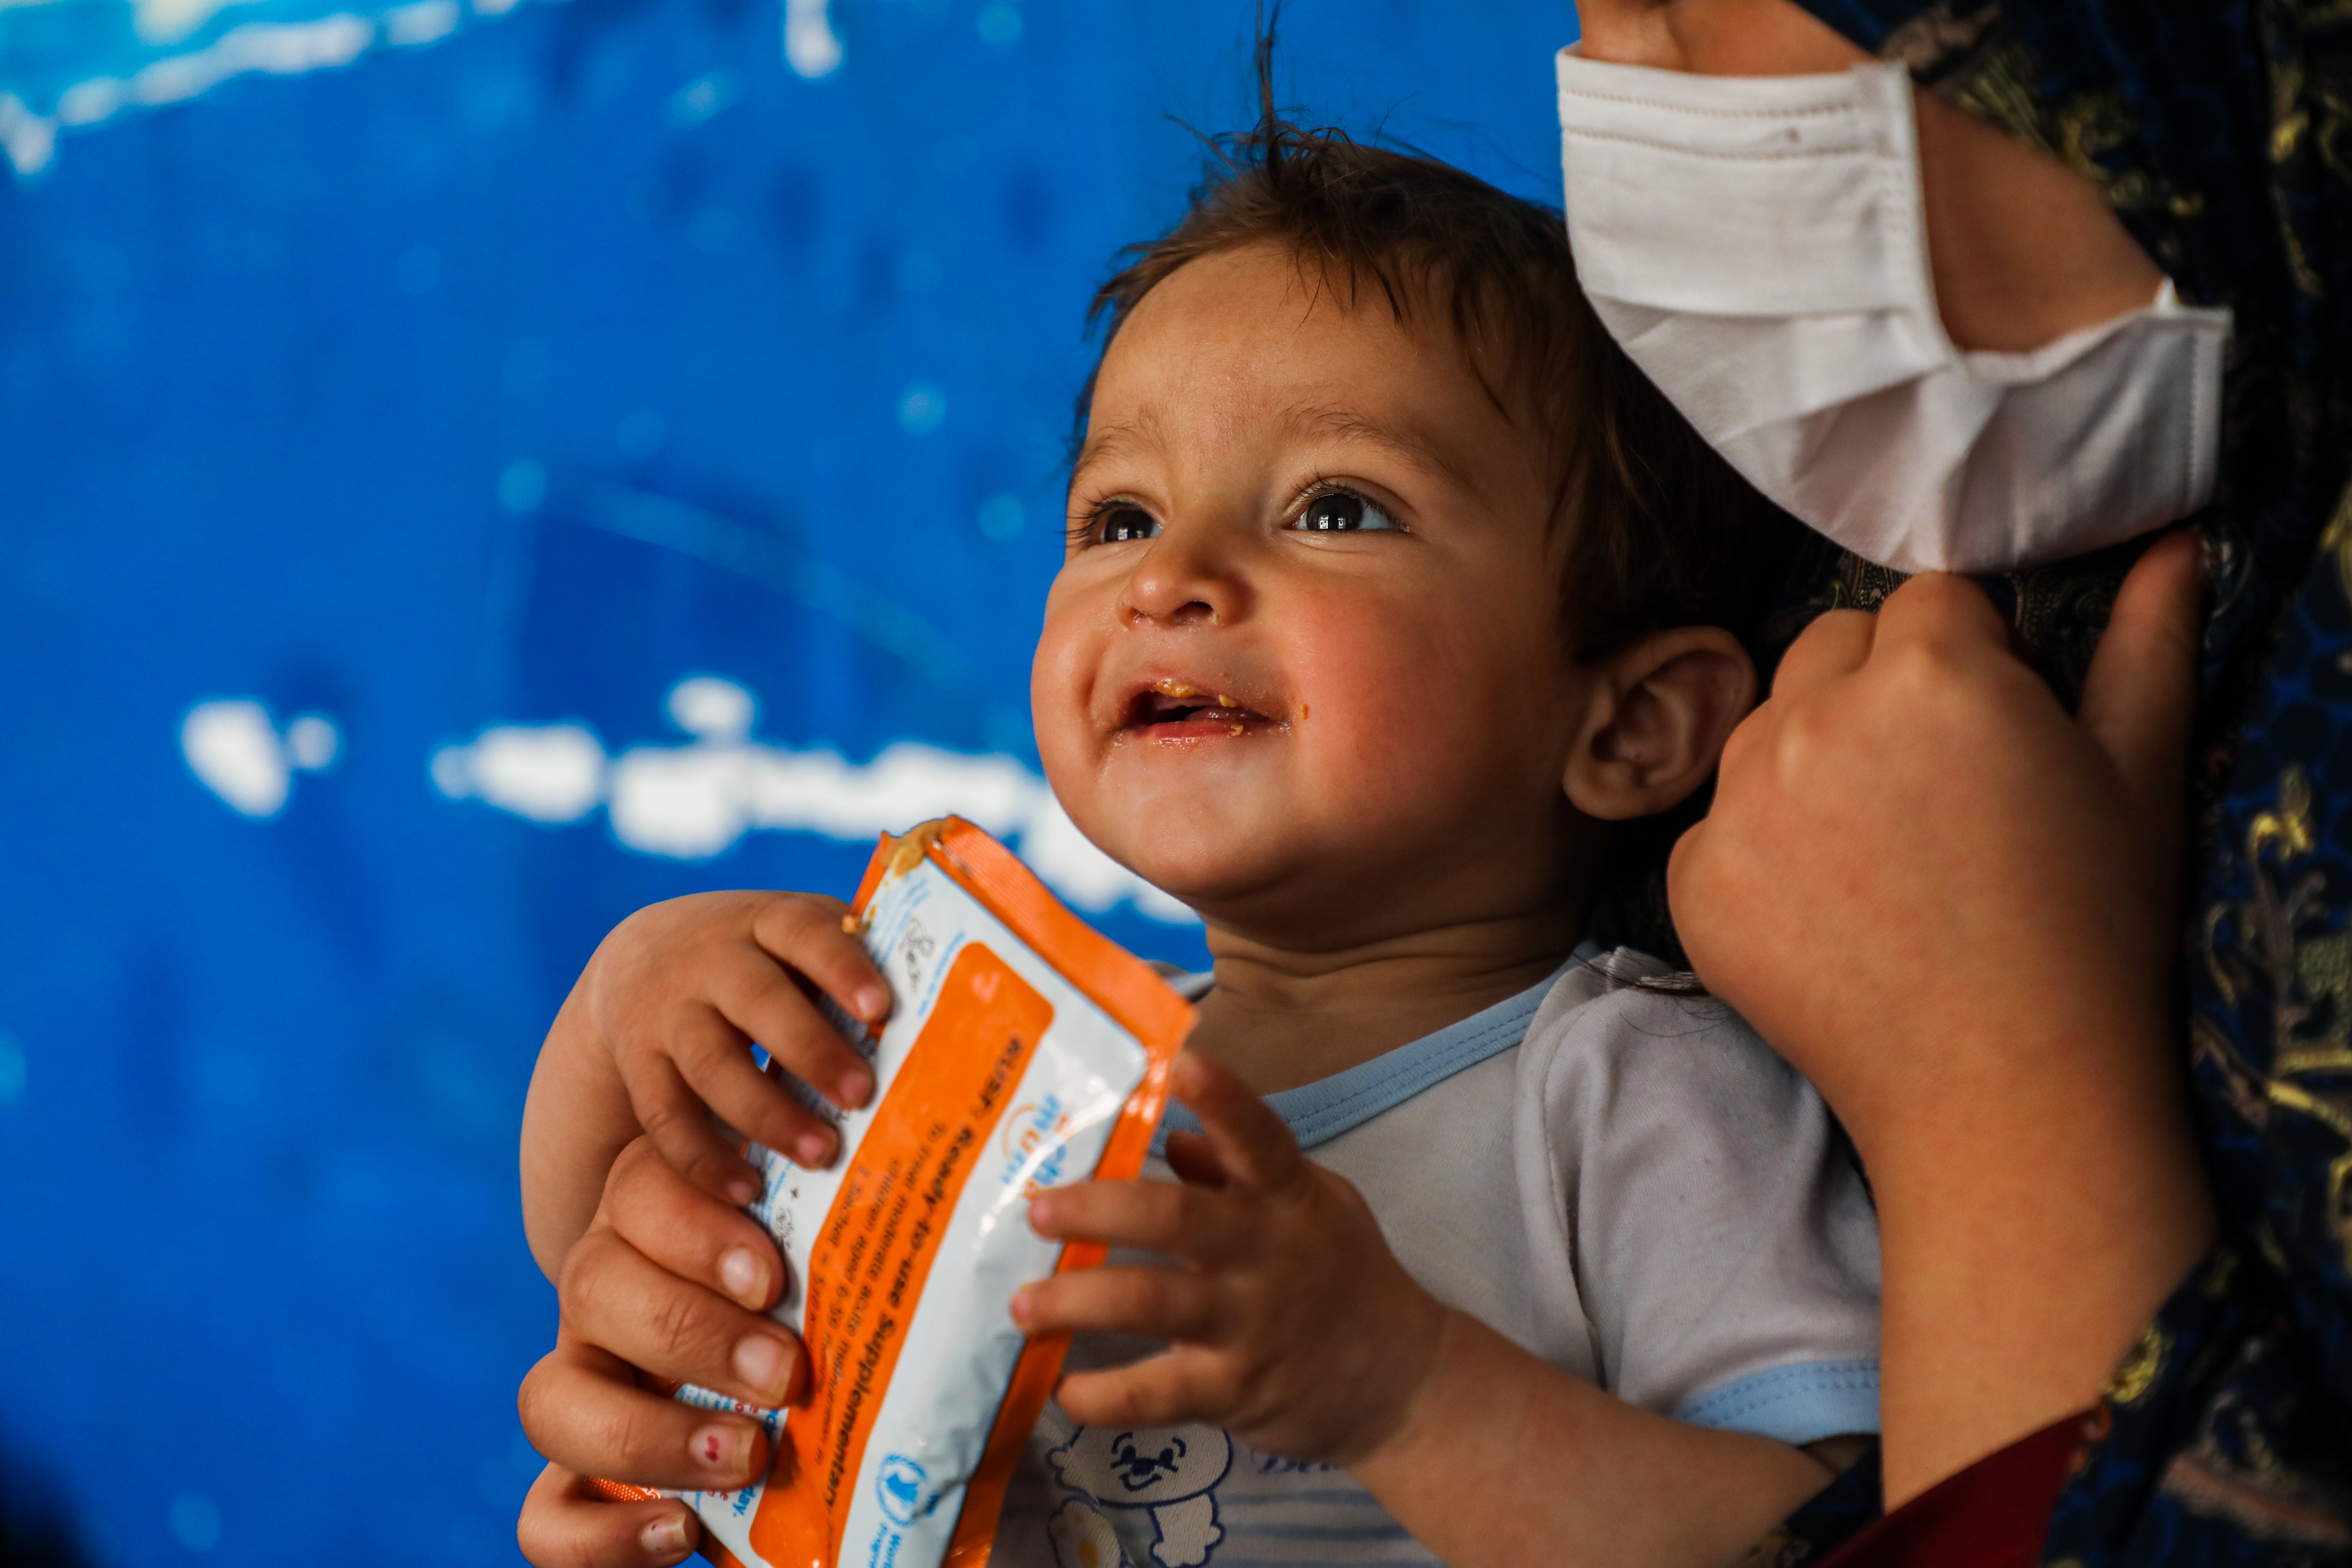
2222	132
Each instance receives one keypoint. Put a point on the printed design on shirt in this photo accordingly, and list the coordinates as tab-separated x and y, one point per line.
1169	1473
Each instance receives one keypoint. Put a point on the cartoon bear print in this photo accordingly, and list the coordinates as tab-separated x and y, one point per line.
1167	1473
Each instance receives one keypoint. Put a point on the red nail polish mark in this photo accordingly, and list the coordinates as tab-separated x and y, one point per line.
711	1448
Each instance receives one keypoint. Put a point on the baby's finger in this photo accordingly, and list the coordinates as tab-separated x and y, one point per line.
1196	1223
566	1525
676	1118
1159	1390
1162	1303
1253	1145
767	1004
806	932
581	1406
1193	1159
691	1235
715	1061
615	1296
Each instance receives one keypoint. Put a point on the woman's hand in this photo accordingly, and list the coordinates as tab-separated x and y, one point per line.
661	1026
676	1282
1955	907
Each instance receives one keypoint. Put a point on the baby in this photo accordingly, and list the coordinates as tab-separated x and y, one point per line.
1394	601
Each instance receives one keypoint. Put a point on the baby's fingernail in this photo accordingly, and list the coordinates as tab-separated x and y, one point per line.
721	1447
761	1360
665	1538
746	1280
815	1150
872	1003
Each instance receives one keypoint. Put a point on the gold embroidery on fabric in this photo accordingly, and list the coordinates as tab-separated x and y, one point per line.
2335	540
2309	976
2289	827
2091	127
2238	1477
2136	1372
2323	969
2287	120
1933	38
2317	1059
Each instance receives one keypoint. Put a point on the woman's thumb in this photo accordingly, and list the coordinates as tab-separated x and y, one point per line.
2141	693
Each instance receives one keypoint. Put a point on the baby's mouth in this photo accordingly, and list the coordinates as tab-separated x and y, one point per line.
1172	709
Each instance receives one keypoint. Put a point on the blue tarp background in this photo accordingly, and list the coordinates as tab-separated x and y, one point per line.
384	377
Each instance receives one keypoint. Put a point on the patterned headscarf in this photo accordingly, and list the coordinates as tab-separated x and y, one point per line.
2220	130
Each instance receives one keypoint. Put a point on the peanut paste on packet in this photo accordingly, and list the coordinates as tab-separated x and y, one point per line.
1024	1051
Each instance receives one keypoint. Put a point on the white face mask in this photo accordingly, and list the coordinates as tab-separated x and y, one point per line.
1758	246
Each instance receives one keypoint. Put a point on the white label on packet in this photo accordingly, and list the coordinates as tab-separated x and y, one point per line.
916	1276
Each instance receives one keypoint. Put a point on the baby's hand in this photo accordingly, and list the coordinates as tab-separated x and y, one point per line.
660	1025
1293	1326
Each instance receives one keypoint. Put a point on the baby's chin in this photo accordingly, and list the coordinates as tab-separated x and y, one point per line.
1205	867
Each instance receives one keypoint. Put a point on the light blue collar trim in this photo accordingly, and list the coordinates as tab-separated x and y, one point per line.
1319	1111
1793	1405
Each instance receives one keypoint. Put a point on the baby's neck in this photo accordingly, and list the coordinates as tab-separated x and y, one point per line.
1281	1018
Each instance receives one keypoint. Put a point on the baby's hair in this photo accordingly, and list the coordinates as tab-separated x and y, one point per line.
1663	532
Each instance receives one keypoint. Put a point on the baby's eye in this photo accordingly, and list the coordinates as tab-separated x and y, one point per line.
1342	511
1121	521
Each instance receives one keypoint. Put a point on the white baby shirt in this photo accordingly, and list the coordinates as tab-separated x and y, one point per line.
1629	1184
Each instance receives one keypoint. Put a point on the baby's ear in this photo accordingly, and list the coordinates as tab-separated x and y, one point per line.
1659	714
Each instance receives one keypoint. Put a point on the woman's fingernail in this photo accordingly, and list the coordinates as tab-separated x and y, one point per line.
761	1360
1021	1308
666	1538
746	1280
855	1085
1041	1213
721	1447
742	1190
815	1150
872	1003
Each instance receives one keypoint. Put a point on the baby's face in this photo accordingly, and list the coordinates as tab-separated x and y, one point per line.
1305	656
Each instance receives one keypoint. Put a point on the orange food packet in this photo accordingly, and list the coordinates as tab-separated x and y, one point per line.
1024	1050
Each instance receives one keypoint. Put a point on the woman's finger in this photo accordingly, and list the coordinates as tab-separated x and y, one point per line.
1253	1145
2140	696
582	1407
688	1233
1837	643
1160	1303
807	932
1945	611
565	1524
617	1297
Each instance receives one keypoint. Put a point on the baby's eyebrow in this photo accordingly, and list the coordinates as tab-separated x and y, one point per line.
1114	441
1407	446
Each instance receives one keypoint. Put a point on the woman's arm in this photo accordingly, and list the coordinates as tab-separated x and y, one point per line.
1955	907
